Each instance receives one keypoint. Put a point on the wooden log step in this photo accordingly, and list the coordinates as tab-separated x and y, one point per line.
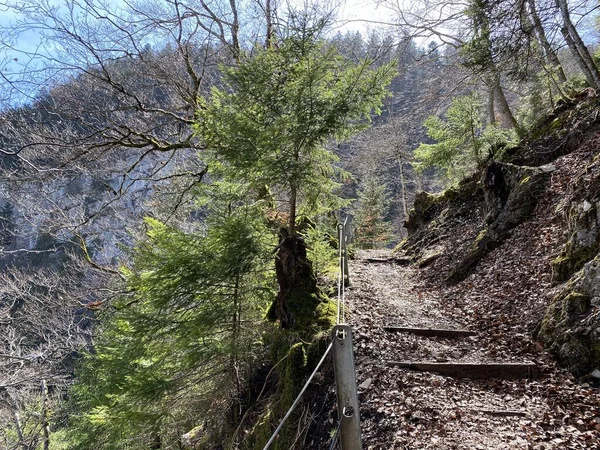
434	332
401	260
473	370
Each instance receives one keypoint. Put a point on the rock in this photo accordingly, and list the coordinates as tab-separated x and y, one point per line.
456	354
571	325
365	384
511	194
429	256
547	168
596	373
192	438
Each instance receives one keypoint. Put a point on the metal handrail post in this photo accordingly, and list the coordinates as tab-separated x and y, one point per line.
345	383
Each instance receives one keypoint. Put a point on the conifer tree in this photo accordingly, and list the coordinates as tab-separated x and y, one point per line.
462	141
269	126
372	228
172	353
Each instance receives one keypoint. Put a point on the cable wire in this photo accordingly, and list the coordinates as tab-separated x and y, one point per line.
278	429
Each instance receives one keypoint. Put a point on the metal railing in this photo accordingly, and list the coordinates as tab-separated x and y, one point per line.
348	430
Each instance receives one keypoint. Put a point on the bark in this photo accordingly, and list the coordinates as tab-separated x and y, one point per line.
491	107
18	427
235	29
482	26
269	17
508	119
292	218
577	46
549	53
297	299
403	189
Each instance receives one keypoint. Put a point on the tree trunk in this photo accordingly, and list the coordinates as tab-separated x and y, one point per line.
403	188
491	106
508	119
482	26
551	56
235	29
269	18
577	46
18	427
297	299
292	218
235	333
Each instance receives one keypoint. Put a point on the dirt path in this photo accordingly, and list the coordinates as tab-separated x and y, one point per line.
404	409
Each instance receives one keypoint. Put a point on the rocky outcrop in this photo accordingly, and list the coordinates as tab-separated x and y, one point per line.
511	193
581	213
571	326
432	213
583	243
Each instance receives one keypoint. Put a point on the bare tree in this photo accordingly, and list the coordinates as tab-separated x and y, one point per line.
95	132
45	321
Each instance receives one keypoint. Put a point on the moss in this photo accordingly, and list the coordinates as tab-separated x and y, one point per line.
400	247
575	303
562	312
482	234
571	259
297	361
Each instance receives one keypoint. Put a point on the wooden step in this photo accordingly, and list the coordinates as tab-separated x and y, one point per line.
473	370
434	332
400	261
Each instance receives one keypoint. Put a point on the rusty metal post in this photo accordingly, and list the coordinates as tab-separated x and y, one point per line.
345	383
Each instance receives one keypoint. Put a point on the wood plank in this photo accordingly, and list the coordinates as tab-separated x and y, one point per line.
473	370
433	332
401	260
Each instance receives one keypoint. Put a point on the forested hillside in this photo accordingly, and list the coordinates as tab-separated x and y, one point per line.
174	174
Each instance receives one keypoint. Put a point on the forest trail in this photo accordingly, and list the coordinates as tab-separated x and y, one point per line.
407	409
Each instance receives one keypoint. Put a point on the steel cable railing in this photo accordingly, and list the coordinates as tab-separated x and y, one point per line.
341	316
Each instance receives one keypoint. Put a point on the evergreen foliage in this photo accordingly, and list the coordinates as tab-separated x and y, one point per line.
372	228
462	141
277	110
186	331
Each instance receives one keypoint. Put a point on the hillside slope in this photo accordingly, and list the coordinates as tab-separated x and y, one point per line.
516	247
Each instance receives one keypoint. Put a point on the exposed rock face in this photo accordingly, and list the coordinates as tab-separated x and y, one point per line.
511	193
571	326
432	212
583	243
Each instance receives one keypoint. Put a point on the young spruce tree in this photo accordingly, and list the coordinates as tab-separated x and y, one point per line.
170	355
270	124
372	228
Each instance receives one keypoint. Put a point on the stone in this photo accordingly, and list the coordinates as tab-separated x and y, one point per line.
596	373
547	168
456	354
586	206
193	438
365	384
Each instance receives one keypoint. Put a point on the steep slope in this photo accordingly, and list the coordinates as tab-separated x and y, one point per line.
516	247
